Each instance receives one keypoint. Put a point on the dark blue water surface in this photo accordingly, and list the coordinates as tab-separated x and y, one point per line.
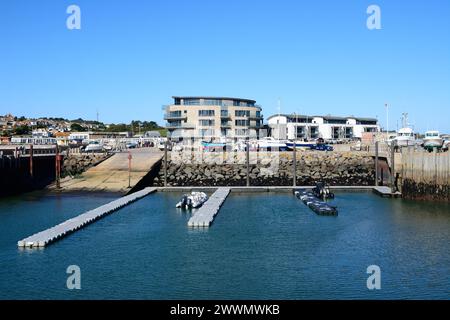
261	246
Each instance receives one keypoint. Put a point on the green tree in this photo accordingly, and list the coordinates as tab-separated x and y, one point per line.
22	130
77	127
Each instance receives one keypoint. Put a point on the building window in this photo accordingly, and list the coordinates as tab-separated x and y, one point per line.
206	132
206	113
367	123
335	121
176	123
224	123
241	132
300	132
206	123
192	102
242	113
239	103
257	124
224	113
299	119
174	114
242	123
212	102
314	132
348	133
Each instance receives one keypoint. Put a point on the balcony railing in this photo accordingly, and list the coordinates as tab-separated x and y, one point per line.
175	117
179	126
256	117
223	105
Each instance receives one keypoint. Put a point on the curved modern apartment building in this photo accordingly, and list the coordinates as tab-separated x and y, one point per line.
213	118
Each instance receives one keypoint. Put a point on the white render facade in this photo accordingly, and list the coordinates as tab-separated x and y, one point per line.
293	127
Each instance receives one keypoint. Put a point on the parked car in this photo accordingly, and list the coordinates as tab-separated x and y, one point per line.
162	146
322	147
131	145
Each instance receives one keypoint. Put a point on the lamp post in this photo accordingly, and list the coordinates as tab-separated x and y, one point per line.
295	126
129	169
387	120
31	160
57	167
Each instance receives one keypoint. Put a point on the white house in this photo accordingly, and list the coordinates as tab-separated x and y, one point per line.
328	127
79	136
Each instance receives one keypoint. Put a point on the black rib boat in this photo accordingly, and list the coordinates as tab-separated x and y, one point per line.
315	204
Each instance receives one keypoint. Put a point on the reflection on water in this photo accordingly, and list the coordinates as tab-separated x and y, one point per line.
261	246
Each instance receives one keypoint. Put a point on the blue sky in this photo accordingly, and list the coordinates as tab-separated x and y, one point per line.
318	57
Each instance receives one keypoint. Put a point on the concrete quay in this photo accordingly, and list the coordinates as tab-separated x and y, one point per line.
113	174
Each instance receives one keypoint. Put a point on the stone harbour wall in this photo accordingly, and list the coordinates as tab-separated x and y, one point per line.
269	169
76	164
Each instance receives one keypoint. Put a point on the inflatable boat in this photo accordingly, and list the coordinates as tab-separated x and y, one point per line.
319	207
193	200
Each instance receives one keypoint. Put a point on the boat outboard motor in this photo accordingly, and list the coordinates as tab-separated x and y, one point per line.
318	189
322	191
184	201
188	202
327	194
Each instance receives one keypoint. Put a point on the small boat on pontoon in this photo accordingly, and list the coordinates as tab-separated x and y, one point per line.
313	200
271	144
192	200
432	140
300	145
318	145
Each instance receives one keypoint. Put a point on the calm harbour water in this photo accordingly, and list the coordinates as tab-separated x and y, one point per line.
261	246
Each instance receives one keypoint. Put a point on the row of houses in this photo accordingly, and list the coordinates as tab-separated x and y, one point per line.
9	122
78	138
